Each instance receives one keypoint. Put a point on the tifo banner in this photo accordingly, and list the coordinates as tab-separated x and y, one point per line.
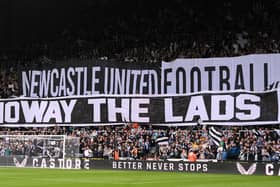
89	78
182	76
217	108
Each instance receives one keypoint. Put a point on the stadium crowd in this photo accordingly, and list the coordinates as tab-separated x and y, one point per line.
160	34
142	142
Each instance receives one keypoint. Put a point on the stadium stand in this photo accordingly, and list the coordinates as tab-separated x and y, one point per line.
162	32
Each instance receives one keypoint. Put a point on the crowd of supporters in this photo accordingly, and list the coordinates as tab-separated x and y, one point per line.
163	30
141	142
162	33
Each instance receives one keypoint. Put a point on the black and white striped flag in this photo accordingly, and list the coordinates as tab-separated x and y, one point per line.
277	131
257	133
215	135
162	140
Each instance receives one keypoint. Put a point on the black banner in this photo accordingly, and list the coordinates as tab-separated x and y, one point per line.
82	78
219	108
37	162
270	169
192	167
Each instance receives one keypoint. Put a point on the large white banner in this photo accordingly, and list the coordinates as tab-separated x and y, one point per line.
251	72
